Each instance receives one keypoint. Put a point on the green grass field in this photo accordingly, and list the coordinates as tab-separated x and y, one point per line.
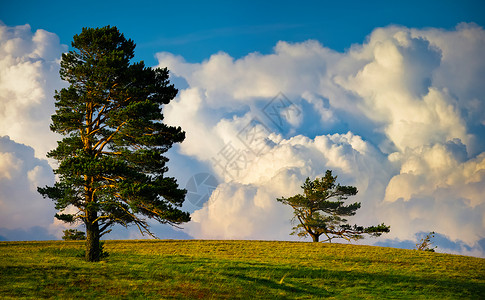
159	269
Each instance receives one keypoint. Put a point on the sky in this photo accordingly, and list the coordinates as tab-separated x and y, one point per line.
388	96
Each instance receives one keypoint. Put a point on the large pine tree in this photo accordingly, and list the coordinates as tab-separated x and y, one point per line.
111	161
321	210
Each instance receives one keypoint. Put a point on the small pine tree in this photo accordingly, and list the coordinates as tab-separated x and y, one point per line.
318	214
73	235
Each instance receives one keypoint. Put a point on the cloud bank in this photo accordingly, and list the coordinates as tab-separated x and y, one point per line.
401	116
29	66
24	215
29	74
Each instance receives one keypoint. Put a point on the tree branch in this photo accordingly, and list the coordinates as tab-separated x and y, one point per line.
102	142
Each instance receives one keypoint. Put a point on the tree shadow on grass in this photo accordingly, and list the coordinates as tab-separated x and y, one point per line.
315	282
282	289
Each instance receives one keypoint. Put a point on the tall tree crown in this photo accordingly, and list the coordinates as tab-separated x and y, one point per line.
111	159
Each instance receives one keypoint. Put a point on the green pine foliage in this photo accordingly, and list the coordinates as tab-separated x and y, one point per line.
112	156
73	235
321	210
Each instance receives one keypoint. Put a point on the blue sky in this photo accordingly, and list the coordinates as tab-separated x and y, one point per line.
198	29
389	96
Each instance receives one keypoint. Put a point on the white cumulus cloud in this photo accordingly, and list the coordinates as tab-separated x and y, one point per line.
400	116
22	208
29	74
246	207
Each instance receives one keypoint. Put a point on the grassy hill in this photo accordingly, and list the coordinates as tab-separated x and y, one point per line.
161	269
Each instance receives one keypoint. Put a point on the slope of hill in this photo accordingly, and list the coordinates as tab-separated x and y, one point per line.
161	269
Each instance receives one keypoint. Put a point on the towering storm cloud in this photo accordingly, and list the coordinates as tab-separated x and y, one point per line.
402	117
29	74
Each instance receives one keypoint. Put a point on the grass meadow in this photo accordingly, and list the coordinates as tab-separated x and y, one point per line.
192	269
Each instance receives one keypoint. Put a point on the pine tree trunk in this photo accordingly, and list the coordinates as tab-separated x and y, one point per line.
315	238
92	238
